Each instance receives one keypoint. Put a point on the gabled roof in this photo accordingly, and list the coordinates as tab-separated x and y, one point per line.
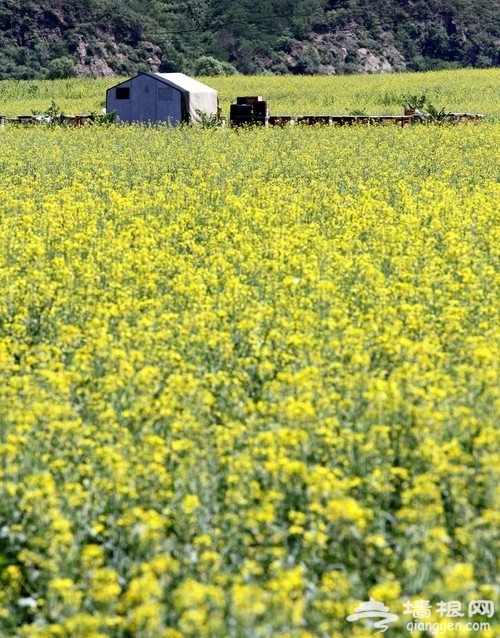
180	81
183	82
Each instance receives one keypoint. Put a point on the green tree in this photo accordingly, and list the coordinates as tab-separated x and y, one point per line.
63	67
207	65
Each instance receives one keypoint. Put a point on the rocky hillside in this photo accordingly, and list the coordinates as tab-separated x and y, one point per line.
65	38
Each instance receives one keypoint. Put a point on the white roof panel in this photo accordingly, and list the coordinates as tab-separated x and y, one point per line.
184	82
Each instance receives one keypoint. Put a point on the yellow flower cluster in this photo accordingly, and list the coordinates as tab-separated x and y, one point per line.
248	379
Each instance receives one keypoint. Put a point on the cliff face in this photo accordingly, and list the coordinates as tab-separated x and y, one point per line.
61	38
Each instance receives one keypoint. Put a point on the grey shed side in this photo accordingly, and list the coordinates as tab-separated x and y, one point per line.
161	97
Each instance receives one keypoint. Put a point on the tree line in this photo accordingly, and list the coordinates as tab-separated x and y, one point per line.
65	38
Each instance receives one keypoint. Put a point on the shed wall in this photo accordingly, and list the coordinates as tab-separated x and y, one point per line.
149	101
122	107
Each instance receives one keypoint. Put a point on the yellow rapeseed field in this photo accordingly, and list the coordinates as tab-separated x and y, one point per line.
249	379
466	90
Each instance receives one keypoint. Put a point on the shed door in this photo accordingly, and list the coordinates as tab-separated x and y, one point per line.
144	99
168	104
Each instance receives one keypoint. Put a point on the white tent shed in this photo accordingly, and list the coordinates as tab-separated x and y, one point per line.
161	97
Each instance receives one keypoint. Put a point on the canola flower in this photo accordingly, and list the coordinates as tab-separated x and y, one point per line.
248	378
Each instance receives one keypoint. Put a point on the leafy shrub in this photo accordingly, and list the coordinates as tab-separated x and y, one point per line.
209	66
61	68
